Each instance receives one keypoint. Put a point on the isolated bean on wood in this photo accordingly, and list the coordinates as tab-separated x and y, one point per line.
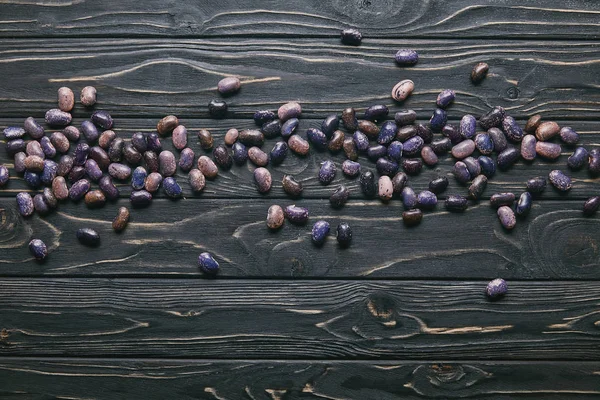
275	217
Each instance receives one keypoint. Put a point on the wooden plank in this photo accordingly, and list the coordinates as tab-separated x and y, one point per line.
271	319
156	77
409	18
207	379
555	241
238	182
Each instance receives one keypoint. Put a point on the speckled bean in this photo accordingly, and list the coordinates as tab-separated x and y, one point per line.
402	90
547	130
167	163
445	98
456	203
57	117
412	217
395	150
428	155
171	187
179	137
367	184
106	139
488	166
560	180
330	124
153	142
406	57
479	72
463	149
59	188
153	181
351	168
139	140
196	179
386	166
507	217
251	137
399	182
339	197
258	157
94	199
426	200
115	150
88	96
507	158
413	146
512	129
240	153
262	116
79	189
502	199
477	187
92	170
376	112
88	237
263	180
207	167
344	234
438	185
568	135
412	166
222	156
300	146
438	120
594	162
229	85
528	147
578	159
25	204
289	110
33	128
151	161
550	151
186	159
296	215
351	36
140	198
108	188
316	138
271	129
376	152
38	249
484	143
121	220
409	198
167	124
231	136
492	118
15	146
591	205
468	125
278	153
386	188
4	175
536	185
205	138
532	123
319	232
275	217
32	179
496	288
349	119
291	186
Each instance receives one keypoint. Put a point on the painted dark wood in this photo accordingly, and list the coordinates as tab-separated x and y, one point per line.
238	182
375	18
555	242
277	319
155	77
273	380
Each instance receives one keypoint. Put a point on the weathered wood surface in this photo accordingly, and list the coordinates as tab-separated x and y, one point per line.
271	319
156	77
271	380
376	18
238	182
554	242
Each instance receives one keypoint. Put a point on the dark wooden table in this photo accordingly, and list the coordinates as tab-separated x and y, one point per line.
399	314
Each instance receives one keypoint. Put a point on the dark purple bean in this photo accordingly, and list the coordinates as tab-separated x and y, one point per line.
406	132
13	132
361	141
409	198
131	155
207	167
477	187
258	157
406	57
151	160
456	203
251	137
512	129
351	37
479	72
222	157
395	150
115	151
327	172
82	150
349	119
108	188
90	132
473	166
263	179
376	152
532	123
438	120
399	182
88	237
426	200
578	158
121	220
488	166
65	164
153	142
32	179
468	124
376	112
76	173
496	288
339	197
59	188
240	153
524	204
106	139
60	142
547	130
35	130
568	135
493	118
208	264
291	186
536	185
317	138
34	148
88	96
387	133
484	143
47	147
38	249
79	189
370	129
507	158
386	166
445	98
94	199
351	168
330	124
186	159
319	231
102	119
262	116
560	180
438	185
441	146
498	138
167	166
271	129
350	149
139	141
344	234
278	153
502	199
138	178
229	85
425	133
413	146
591	205
296	215
49	172
405	117
25	204
528	146
386	188
507	217
594	162
412	217
463	149
34	163
119	171
19	162
428	155
367	184
289	110
154	180
140	198
412	166
172	188
57	117
196	179
289	127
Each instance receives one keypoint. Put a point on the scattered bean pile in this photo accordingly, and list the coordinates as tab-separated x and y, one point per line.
100	156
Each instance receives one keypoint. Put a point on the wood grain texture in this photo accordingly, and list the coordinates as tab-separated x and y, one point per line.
271	319
555	241
375	18
238	182
156	77
277	380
